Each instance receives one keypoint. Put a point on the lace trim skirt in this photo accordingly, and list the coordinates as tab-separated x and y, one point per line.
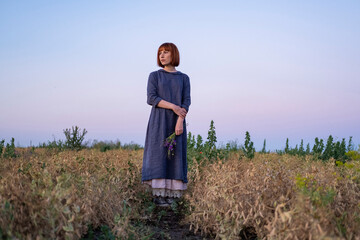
166	187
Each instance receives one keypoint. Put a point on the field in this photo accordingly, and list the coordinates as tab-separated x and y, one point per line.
69	194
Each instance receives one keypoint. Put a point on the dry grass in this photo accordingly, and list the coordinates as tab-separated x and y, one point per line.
281	197
55	196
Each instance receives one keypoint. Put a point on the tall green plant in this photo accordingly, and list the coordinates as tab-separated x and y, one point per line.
2	142
287	149
74	138
190	141
263	150
294	151
350	146
318	148
210	144
301	149
329	149
10	149
248	148
307	151
339	151
199	143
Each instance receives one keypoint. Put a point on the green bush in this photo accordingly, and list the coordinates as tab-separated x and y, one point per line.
350	146
199	143
132	146
248	148
53	145
10	149
2	142
210	144
263	150
318	148
74	138
301	149
329	149
307	151
287	149
198	150
104	146
353	155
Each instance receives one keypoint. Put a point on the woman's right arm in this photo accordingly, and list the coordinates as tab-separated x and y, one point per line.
156	101
177	109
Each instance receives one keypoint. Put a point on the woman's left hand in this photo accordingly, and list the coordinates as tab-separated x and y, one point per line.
179	128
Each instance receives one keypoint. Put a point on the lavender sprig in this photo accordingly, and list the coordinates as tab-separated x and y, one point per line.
170	144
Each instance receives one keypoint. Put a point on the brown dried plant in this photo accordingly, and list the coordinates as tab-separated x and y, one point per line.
280	197
56	196
46	195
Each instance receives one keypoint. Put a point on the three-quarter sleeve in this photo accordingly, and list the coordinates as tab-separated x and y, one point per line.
186	100
152	91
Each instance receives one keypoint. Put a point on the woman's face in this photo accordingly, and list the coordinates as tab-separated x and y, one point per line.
165	57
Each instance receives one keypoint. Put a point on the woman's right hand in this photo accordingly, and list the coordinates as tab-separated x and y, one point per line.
180	111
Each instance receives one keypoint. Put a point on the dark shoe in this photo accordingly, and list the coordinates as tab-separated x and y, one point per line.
169	200
160	201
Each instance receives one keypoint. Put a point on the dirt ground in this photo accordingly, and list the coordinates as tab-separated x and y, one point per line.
165	224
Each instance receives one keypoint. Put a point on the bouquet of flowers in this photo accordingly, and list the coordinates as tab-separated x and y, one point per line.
170	144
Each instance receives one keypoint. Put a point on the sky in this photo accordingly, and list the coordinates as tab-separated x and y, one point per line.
278	69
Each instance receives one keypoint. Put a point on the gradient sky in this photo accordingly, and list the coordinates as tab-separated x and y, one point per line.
277	69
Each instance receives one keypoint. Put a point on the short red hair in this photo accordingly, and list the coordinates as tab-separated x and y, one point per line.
175	56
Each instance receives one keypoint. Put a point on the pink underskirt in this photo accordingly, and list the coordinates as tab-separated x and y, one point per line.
166	187
170	184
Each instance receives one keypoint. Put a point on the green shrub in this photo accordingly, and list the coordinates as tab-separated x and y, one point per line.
104	146
263	150
233	146
318	148
190	141
340	151
301	149
319	195
199	143
280	152
329	149
353	155
2	142
195	149
74	138
210	144
248	148
350	146
307	151
198	150
132	146
287	149
53	145
10	149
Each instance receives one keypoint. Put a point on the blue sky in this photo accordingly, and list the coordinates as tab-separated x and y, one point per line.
277	69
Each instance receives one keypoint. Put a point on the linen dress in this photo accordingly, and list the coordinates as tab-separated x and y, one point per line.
158	171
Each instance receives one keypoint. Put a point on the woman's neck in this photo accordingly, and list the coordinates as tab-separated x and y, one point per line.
169	68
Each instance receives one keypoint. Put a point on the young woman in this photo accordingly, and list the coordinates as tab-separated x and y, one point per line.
168	92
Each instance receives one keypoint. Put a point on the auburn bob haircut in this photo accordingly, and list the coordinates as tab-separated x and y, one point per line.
175	56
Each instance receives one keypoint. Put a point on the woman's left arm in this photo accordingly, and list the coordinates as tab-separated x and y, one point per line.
186	99
179	127
185	103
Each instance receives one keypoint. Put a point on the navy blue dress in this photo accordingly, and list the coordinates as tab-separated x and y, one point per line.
172	87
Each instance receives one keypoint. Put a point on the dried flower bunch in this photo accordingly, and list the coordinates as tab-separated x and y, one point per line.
170	144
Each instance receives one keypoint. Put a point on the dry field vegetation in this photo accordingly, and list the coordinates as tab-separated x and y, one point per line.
58	195
276	197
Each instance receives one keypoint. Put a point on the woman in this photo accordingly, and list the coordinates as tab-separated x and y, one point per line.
168	92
